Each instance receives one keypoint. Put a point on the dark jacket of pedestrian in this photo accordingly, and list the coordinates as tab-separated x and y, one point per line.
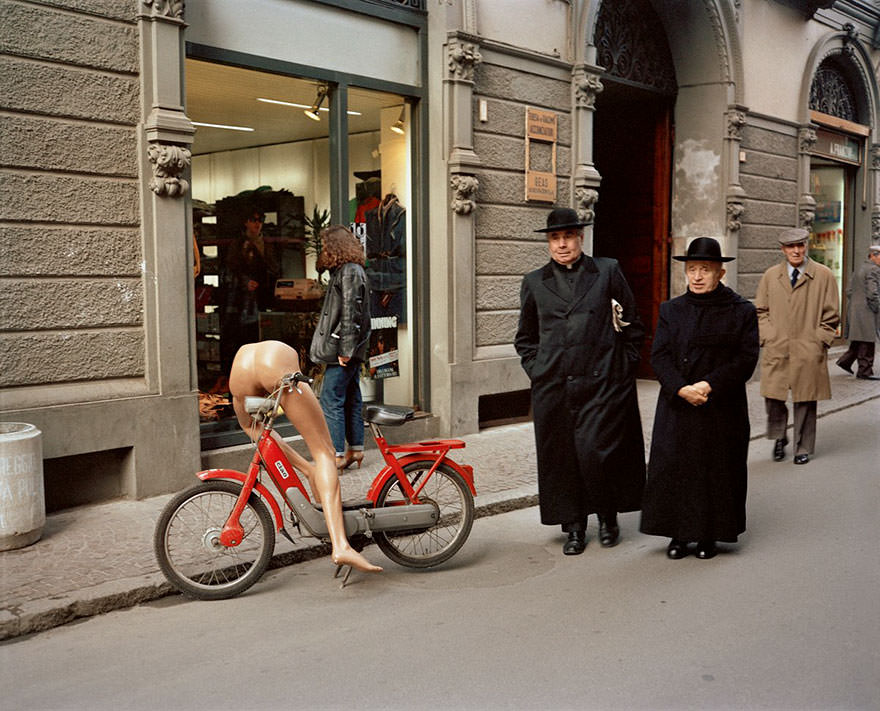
863	322
697	472
588	432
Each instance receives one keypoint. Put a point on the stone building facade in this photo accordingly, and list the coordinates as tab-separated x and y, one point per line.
672	120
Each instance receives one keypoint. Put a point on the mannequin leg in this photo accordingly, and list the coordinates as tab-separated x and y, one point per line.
254	430
304	411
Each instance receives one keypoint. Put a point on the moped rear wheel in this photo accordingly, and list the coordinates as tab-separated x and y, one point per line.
449	492
188	548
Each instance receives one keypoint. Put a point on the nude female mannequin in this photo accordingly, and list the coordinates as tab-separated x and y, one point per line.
256	371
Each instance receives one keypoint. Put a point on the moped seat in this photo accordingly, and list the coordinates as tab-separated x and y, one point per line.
388	414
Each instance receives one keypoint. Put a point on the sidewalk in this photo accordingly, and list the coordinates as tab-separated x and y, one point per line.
98	558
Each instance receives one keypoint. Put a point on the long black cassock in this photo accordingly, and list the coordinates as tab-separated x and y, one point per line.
588	432
697	471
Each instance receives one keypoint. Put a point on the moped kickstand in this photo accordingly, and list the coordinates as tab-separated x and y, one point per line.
347	574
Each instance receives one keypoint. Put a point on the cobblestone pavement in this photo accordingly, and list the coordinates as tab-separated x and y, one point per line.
93	559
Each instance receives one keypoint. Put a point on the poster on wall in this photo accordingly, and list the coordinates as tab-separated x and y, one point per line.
383	360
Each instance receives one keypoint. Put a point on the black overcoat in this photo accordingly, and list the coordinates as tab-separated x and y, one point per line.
697	471
588	433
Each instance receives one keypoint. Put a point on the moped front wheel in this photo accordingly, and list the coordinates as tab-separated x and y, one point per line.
189	551
449	492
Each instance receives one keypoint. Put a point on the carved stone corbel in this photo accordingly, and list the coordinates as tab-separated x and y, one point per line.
166	8
168	162
585	199
463	59
806	139
464	188
735	210
586	88
735	122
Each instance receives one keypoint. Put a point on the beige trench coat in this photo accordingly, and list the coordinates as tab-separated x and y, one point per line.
796	326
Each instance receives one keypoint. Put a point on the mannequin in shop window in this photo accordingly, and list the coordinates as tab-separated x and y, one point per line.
256	371
386	258
249	284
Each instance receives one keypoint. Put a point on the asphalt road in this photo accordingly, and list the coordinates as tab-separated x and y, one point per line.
787	619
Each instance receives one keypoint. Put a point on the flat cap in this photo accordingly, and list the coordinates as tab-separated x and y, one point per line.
793	236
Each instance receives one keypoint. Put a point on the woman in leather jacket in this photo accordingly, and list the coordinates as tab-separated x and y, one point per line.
341	339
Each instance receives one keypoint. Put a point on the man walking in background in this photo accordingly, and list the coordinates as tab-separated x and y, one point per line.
863	316
798	314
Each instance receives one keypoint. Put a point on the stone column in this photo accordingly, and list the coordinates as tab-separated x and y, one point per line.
806	202
166	135
736	120
463	55
585	86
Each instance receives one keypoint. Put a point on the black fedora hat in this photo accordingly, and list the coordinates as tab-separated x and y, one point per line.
562	218
704	249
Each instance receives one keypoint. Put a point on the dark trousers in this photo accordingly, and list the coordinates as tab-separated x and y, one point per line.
861	351
804	435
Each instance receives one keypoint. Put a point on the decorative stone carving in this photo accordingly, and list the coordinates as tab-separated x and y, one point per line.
806	139
586	88
585	198
464	188
463	58
168	162
805	218
735	209
875	228
166	8
875	156
735	122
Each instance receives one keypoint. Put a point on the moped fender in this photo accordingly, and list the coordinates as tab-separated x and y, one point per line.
210	474
466	471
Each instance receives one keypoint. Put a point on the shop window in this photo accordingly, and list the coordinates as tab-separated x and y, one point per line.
262	187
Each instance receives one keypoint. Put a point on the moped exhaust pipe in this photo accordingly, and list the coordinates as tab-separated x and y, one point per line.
362	518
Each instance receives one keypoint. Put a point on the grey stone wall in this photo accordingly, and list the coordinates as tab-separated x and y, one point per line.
769	178
506	247
71	282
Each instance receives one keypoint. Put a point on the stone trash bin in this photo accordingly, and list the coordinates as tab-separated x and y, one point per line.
22	497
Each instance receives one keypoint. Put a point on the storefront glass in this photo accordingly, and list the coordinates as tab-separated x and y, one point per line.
828	237
261	188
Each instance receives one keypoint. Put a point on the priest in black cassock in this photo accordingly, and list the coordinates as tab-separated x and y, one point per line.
705	350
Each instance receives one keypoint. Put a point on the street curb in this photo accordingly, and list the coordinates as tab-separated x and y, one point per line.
41	615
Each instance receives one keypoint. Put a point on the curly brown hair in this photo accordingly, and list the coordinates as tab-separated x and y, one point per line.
339	246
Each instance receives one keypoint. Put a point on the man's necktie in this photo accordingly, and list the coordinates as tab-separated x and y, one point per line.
794	277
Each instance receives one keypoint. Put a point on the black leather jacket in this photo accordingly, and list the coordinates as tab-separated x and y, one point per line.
344	325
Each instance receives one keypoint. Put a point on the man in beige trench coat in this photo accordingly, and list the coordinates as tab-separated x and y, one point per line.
798	314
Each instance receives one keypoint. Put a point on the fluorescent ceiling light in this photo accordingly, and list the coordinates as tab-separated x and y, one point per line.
220	125
302	106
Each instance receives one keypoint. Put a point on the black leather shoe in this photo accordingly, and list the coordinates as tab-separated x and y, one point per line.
577	541
609	531
677	549
843	367
706	550
868	377
801	458
779	449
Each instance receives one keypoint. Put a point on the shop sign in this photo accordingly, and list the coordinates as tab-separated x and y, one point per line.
541	126
837	146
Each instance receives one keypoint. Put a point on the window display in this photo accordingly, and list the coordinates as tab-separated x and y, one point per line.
261	183
827	239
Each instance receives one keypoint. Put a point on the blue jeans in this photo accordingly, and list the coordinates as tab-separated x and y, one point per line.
341	402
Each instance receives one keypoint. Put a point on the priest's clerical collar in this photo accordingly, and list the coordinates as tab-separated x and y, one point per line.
576	264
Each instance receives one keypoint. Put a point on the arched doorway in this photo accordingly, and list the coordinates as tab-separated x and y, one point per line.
633	139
